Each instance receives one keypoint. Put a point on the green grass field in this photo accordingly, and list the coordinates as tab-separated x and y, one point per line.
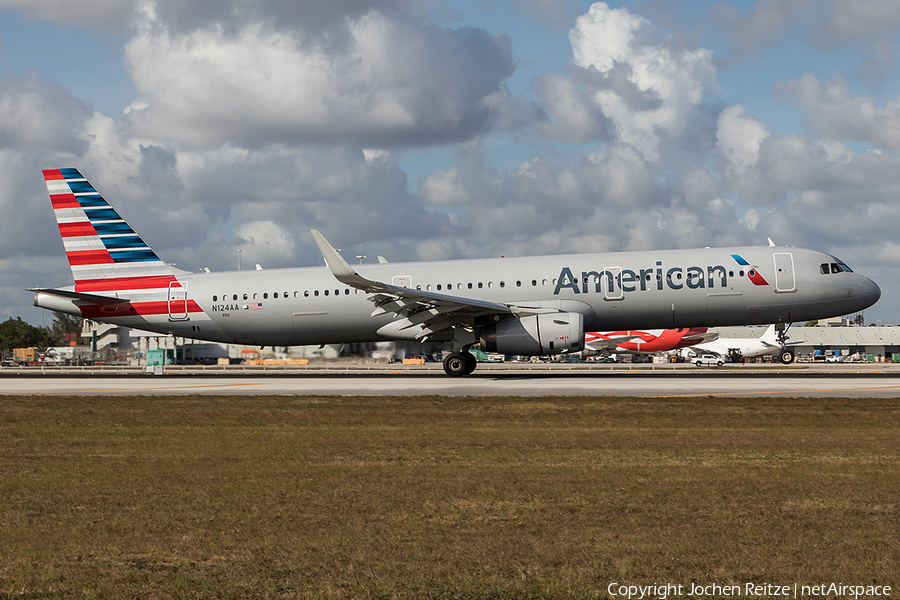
282	497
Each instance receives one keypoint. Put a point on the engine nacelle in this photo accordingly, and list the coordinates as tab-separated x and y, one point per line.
536	335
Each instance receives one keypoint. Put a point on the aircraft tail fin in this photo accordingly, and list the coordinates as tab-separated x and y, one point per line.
103	250
770	336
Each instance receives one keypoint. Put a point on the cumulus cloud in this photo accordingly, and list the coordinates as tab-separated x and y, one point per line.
738	138
644	84
835	113
444	188
37	114
397	83
572	115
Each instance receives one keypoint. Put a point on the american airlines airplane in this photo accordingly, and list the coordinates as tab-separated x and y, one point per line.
535	305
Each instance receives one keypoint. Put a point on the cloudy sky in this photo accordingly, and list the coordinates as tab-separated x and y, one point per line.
432	129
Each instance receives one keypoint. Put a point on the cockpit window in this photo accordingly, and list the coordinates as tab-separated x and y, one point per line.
839	267
836	267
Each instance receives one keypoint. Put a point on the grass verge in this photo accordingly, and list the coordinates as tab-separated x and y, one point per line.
282	497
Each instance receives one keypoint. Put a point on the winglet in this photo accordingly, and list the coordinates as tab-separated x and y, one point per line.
342	271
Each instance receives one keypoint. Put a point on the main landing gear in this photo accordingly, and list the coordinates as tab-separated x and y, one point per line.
785	355
458	364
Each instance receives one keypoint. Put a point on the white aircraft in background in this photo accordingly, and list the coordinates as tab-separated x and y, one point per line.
771	342
531	305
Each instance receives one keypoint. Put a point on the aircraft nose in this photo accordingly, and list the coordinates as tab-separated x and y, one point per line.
868	291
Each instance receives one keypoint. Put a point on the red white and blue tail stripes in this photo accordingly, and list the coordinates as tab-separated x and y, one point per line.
107	256
99	243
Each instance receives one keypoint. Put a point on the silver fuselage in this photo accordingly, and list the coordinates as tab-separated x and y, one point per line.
627	290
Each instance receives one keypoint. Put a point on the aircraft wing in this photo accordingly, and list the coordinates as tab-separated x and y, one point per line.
84	298
701	338
432	312
608	343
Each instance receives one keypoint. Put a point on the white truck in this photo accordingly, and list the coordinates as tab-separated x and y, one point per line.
708	360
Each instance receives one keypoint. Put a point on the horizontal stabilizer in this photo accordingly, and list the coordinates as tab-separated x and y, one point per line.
86	298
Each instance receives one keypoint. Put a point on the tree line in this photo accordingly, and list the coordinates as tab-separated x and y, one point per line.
16	333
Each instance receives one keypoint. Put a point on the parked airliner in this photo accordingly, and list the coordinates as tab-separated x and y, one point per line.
537	305
771	342
646	342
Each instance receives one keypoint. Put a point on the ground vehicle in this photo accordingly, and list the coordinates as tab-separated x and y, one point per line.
708	360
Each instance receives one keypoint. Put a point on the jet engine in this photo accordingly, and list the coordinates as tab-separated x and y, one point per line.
536	335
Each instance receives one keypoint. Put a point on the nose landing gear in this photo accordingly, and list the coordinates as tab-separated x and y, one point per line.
785	355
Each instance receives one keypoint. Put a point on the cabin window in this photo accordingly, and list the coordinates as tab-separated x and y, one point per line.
470	285
480	286
326	292
741	272
428	288
296	294
245	296
214	298
730	274
265	295
316	293
439	287
346	291
490	284
337	292
306	293
534	283
235	296
275	295
502	284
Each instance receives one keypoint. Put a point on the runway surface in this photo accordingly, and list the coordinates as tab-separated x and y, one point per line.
864	383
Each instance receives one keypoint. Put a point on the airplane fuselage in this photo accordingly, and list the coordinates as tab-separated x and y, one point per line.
628	290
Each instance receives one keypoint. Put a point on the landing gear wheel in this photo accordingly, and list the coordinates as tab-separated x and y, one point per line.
786	356
456	364
471	363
